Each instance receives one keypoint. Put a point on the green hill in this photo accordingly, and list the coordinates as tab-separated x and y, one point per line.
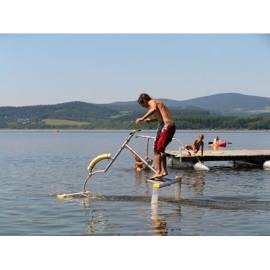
121	115
226	103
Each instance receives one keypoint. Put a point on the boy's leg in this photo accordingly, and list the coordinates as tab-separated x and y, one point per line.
158	162
164	170
157	158
189	148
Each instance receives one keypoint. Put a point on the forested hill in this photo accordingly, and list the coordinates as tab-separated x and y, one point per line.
199	114
70	110
226	104
77	115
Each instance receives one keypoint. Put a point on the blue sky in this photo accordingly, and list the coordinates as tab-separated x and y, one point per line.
49	69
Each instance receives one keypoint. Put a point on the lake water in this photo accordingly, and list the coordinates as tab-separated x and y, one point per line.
37	164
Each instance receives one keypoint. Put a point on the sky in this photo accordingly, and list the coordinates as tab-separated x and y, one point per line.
103	68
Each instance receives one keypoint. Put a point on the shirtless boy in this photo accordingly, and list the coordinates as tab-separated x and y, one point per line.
157	111
196	146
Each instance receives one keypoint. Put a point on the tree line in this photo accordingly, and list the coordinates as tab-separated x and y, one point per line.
183	121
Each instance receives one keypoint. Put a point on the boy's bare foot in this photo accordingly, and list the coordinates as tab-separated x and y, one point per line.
156	176
164	173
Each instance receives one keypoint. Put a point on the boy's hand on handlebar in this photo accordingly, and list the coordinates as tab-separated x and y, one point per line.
148	120
139	120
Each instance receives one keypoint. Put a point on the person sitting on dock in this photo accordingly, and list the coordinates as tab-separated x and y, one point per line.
196	145
157	111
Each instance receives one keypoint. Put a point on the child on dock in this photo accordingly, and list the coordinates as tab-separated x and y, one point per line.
196	145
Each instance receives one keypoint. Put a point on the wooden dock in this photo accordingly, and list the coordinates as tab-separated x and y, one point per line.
255	157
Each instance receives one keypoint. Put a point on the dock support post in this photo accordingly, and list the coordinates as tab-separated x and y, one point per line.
155	195
157	186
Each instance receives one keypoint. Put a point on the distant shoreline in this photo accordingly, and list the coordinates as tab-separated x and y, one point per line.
127	130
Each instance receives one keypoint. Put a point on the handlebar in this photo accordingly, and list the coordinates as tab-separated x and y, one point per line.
134	131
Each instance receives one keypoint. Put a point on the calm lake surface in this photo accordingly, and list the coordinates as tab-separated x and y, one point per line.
37	164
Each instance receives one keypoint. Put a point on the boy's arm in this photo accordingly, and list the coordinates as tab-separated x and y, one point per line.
153	108
202	146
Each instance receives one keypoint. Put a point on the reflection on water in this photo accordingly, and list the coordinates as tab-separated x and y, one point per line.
96	222
159	223
141	184
195	181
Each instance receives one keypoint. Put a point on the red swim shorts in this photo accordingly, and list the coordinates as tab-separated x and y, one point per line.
164	137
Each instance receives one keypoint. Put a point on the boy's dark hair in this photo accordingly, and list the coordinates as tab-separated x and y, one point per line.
143	97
